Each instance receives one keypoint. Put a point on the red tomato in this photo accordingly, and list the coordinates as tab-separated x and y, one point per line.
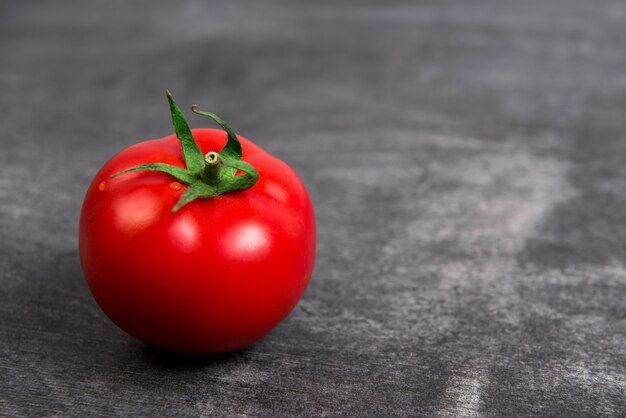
216	275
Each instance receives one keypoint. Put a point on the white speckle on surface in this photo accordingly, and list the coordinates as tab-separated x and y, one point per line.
463	396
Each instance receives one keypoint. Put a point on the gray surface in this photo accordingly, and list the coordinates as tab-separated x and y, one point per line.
467	162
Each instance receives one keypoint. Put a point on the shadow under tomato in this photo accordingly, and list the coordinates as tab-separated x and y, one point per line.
171	359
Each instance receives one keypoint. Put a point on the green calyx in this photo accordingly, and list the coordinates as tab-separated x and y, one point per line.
207	175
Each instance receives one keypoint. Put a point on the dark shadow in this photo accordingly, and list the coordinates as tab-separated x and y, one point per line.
171	359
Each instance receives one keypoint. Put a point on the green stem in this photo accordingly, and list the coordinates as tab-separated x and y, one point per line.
213	163
207	175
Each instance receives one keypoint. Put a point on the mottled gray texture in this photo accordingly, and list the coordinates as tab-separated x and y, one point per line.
466	159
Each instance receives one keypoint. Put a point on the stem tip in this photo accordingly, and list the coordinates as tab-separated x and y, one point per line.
213	158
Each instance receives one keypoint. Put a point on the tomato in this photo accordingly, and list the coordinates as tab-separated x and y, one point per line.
200	272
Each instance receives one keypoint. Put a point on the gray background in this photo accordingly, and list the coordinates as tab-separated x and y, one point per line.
467	163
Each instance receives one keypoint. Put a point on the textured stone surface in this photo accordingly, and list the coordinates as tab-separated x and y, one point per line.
467	162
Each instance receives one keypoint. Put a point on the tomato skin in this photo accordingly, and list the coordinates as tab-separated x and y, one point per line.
215	276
